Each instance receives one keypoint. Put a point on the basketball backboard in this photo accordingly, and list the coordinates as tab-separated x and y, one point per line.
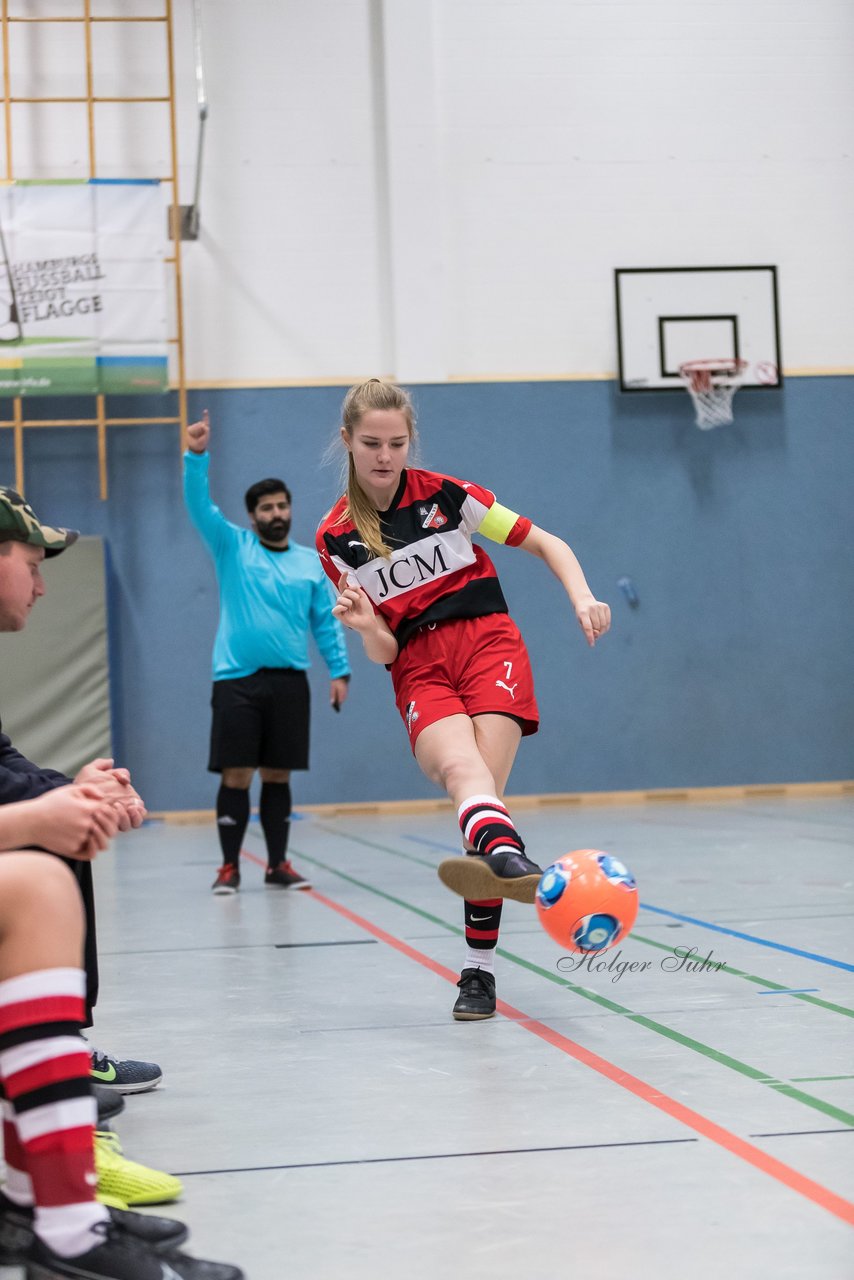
668	315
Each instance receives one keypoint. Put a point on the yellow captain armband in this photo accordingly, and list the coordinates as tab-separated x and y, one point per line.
498	523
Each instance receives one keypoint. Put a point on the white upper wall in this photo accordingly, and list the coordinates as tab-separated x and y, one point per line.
442	188
286	279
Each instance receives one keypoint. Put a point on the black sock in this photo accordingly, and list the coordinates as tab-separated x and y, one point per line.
275	814
232	815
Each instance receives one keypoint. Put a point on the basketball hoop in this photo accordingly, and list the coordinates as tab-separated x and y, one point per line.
712	384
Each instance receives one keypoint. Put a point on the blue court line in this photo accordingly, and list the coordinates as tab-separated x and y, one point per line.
789	991
750	937
254	818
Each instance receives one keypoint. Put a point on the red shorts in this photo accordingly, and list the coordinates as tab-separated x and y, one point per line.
465	666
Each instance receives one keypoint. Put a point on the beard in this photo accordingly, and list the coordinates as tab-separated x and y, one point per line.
273	530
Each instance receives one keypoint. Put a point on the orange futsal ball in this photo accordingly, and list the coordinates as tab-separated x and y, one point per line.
587	901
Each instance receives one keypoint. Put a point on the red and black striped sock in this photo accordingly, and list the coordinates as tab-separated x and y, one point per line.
44	1067
485	823
482	923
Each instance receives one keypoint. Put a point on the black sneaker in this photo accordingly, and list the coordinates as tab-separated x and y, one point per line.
123	1257
110	1103
127	1076
162	1235
477	995
285	877
500	875
227	879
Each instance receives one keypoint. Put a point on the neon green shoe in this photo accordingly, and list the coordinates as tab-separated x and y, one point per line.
112	1202
125	1181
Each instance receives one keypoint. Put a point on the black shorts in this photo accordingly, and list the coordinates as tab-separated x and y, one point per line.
260	721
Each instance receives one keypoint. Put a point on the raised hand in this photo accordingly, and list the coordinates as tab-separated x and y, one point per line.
199	434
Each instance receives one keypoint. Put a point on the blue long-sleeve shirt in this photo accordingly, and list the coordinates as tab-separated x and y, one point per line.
268	600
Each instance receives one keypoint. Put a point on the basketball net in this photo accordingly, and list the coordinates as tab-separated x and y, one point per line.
712	384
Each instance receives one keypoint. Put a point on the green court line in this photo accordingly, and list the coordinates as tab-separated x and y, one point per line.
722	1059
751	977
809	1079
380	893
370	844
636	937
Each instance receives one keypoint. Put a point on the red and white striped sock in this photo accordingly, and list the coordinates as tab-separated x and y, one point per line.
18	1185
44	1066
487	825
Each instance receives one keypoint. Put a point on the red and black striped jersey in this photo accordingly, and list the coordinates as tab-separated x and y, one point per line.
434	572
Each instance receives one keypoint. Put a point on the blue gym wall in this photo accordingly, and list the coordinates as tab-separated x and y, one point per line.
737	667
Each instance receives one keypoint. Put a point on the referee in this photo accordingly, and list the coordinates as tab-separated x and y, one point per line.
272	592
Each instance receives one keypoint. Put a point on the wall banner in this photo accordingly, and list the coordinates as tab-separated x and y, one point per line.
83	298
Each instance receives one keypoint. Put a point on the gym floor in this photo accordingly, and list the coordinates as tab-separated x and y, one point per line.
330	1120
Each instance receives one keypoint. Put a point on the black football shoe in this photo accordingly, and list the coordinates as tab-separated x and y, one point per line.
499	875
477	996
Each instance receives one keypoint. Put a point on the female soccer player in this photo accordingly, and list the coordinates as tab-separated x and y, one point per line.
427	604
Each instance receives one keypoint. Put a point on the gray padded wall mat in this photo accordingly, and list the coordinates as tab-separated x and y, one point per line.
54	675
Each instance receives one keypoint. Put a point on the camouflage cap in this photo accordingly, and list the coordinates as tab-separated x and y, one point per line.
19	523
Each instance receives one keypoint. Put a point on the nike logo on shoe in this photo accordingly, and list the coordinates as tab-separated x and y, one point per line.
105	1077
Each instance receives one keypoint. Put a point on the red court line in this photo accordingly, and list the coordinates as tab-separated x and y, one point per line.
789	1177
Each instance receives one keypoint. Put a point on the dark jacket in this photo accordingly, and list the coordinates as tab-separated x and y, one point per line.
20	779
